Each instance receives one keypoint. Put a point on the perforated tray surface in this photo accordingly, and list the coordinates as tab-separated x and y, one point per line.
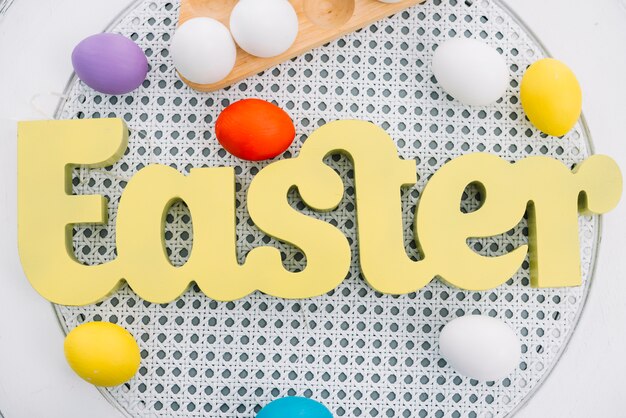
359	352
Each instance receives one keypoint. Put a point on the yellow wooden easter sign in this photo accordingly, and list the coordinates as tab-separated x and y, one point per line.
550	192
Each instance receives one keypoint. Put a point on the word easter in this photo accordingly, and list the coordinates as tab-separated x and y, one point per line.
547	189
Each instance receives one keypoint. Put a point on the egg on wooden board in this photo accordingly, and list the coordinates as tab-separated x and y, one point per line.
110	63
203	51
480	347
294	407
264	28
551	96
102	353
254	130
470	71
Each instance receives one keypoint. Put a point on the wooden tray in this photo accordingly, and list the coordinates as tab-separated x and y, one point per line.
320	21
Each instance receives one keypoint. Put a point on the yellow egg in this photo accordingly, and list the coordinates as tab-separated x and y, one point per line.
551	96
102	353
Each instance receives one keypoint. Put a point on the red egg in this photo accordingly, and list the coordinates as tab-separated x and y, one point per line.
254	130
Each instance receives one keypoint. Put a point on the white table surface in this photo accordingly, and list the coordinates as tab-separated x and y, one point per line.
36	39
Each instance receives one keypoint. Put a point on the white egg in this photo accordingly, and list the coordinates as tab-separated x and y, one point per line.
480	347
264	28
203	50
470	71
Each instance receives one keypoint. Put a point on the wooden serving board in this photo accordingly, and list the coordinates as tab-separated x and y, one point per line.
320	21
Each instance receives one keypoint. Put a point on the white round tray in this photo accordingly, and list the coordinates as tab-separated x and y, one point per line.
357	351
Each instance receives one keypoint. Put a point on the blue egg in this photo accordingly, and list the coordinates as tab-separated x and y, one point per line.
294	407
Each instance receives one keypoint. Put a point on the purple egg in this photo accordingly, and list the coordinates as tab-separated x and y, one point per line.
110	63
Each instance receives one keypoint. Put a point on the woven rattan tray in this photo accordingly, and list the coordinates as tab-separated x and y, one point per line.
359	352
